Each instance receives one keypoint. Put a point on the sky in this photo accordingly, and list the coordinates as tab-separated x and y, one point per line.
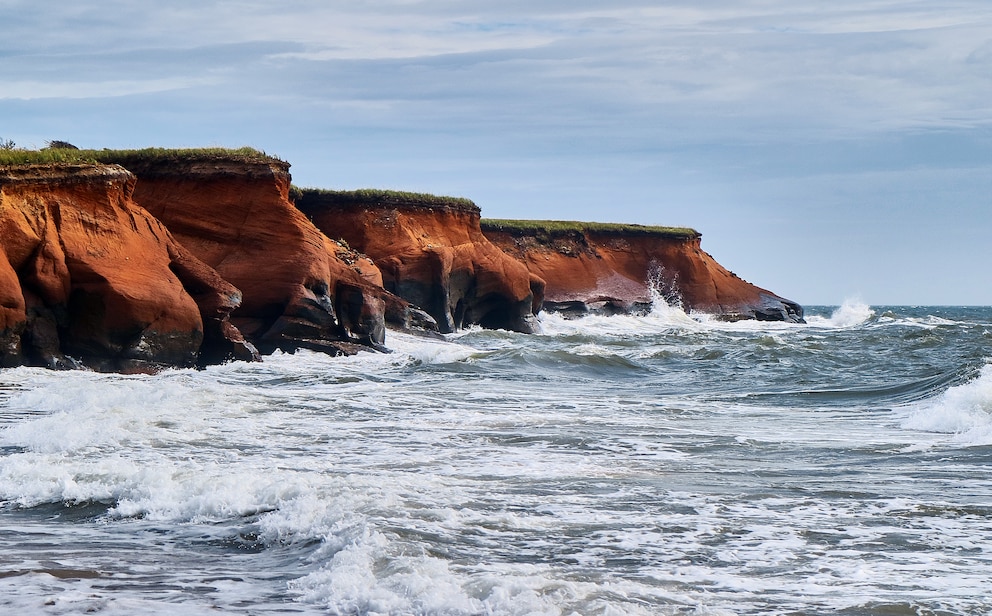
827	151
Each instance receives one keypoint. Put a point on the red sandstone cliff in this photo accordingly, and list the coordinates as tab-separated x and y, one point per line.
87	274
432	253
604	267
300	289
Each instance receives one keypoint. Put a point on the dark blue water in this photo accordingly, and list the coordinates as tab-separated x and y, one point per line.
623	465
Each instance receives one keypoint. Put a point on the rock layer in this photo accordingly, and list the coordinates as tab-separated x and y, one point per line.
432	253
301	290
620	268
87	276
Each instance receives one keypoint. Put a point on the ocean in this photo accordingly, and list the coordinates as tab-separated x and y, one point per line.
656	464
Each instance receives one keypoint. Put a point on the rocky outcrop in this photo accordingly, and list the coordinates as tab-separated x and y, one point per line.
432	253
192	257
621	268
300	289
89	278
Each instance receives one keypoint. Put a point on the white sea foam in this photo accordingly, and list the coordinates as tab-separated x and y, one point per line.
427	350
405	483
661	318
964	411
181	448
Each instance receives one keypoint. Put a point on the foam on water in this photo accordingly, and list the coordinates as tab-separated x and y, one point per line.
175	448
429	351
964	411
661	318
664	317
452	477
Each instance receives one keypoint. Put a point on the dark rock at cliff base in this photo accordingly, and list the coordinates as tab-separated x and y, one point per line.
432	253
604	307
775	308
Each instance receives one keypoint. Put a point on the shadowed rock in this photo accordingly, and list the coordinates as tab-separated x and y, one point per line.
87	277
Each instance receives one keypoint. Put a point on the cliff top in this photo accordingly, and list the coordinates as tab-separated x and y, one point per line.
62	173
554	228
126	158
372	197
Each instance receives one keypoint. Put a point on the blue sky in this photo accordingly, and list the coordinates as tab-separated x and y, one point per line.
826	151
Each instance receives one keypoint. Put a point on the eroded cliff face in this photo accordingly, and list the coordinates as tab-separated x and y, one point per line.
613	271
118	272
433	255
87	276
300	289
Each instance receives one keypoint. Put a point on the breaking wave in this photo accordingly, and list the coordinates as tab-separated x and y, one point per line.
654	464
963	411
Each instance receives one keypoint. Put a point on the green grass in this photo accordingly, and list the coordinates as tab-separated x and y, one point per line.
124	157
12	157
376	195
559	227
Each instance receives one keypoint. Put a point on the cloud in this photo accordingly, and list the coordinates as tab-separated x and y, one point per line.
628	79
759	114
625	76
28	90
729	68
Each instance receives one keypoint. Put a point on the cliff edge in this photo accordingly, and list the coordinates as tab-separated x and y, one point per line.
132	260
612	268
300	289
431	252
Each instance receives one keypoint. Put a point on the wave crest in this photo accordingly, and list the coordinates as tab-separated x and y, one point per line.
963	410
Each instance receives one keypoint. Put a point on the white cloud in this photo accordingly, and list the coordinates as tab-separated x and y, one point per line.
30	90
847	66
532	106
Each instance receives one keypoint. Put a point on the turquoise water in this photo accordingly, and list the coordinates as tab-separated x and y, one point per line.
662	464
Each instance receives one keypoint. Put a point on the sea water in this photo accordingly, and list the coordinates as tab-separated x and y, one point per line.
661	464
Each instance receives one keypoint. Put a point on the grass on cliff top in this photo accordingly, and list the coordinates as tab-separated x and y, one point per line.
105	156
554	227
376	195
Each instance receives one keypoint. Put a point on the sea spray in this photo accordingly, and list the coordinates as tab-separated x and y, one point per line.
663	286
666	314
852	313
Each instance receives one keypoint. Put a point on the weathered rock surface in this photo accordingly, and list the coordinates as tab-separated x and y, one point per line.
300	289
87	276
432	253
595	268
190	257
